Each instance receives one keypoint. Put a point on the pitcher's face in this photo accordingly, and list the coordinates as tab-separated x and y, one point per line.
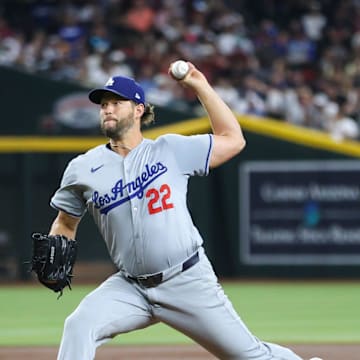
117	116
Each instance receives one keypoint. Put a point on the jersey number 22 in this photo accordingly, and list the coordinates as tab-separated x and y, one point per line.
159	200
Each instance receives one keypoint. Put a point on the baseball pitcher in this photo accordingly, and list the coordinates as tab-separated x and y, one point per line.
135	189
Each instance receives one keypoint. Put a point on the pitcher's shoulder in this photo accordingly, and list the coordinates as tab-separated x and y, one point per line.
91	154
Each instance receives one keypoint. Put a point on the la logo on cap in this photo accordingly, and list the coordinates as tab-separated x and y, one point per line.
110	82
137	96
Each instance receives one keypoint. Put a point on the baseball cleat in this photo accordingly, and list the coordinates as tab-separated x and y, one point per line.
316	358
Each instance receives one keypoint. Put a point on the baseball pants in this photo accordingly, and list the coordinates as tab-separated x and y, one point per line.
192	302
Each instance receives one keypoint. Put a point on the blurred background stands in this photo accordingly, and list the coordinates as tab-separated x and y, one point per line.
292	60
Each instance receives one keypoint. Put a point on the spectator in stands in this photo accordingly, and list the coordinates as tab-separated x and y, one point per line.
314	21
10	48
101	66
342	126
299	106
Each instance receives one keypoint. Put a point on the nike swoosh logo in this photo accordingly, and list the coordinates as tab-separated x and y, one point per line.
94	169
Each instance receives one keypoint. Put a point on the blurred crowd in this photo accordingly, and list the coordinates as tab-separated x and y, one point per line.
297	61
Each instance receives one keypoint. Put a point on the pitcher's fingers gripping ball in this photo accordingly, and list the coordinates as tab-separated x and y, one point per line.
53	260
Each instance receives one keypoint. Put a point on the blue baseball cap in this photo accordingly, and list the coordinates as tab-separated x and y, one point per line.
120	85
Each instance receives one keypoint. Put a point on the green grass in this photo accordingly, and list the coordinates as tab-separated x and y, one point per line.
296	312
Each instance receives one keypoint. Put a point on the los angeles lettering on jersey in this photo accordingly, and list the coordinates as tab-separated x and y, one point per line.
122	192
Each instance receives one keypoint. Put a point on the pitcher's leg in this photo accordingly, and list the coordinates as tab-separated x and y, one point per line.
113	308
281	352
195	304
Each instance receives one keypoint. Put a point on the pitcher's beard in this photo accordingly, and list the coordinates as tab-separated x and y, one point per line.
119	130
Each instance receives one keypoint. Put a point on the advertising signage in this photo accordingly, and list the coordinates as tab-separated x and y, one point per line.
300	212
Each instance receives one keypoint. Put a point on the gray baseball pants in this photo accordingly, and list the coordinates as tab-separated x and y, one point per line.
192	302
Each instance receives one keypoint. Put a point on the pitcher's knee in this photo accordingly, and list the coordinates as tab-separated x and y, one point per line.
77	325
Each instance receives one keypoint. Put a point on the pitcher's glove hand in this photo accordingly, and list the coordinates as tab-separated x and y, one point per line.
53	260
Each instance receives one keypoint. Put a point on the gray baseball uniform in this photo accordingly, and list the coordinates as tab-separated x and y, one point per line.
139	205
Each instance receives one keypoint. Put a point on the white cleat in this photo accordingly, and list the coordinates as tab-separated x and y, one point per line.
316	358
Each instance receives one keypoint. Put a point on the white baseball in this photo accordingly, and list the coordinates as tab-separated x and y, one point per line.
179	69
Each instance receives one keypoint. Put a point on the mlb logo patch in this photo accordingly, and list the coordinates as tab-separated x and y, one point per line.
110	82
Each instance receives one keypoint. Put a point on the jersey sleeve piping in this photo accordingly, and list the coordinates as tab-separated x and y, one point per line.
65	211
207	163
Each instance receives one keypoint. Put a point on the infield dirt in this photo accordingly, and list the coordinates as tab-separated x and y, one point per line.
184	352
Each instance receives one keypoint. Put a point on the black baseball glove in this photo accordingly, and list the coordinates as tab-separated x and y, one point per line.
53	260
